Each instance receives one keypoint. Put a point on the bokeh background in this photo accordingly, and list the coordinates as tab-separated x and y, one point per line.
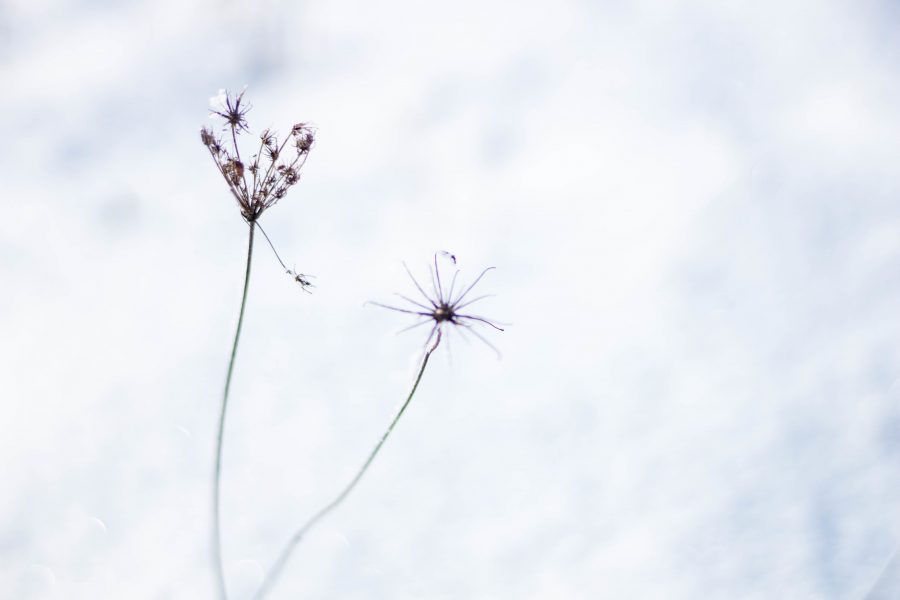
693	210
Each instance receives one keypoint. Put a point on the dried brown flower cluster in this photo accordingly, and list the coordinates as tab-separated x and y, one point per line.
267	176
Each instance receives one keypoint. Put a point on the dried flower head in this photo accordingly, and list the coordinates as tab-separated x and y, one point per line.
265	178
443	308
267	137
231	109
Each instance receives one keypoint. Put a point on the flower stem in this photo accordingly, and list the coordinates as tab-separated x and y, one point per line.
217	476
274	573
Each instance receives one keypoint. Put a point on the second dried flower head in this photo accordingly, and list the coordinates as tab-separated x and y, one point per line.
442	307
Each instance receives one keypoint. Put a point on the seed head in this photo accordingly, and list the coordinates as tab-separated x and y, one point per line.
266	177
443	308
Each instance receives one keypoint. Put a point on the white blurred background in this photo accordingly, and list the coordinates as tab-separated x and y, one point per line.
693	211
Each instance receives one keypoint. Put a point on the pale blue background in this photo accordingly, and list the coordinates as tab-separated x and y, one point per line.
693	207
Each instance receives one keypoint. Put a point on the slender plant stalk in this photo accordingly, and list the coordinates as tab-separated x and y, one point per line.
272	246
275	572
217	535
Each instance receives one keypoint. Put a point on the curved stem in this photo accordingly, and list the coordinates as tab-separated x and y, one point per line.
217	476
274	573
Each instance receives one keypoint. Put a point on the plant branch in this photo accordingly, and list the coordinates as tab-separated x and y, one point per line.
275	572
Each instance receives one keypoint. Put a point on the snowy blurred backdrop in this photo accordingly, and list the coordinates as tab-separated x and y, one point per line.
693	210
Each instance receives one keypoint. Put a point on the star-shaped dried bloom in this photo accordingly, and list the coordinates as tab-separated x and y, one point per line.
232	109
443	308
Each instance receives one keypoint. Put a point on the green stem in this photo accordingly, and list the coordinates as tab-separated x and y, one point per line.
273	575
217	476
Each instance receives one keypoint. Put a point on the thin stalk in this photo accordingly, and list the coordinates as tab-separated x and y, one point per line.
275	572
217	476
272	246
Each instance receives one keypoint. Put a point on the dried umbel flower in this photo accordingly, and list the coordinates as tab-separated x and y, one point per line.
271	173
256	183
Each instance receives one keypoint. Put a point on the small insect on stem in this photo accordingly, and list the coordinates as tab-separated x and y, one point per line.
302	279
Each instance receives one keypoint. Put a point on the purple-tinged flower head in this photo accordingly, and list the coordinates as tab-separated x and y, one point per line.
259	182
442	308
232	109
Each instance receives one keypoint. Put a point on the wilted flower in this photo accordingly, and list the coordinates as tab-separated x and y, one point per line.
269	179
442	308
